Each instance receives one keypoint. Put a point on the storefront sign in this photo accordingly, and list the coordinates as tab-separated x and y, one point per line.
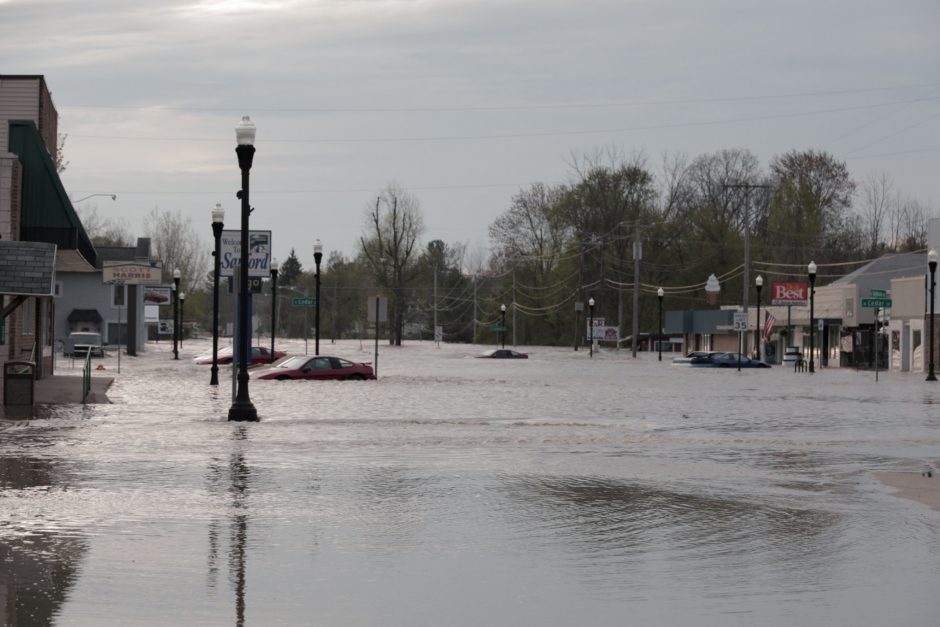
789	293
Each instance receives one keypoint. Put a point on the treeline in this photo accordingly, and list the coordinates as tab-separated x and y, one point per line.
561	244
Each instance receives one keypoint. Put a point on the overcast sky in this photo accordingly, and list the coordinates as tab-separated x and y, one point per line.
461	102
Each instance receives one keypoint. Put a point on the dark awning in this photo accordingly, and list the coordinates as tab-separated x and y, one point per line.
84	315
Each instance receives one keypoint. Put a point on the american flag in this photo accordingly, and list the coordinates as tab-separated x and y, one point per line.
769	323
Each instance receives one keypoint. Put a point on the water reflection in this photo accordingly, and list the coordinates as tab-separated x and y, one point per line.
39	565
231	480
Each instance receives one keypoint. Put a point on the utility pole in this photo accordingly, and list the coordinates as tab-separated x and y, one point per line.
435	306
474	308
637	257
514	306
746	288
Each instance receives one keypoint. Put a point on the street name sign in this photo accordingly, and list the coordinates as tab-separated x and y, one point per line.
304	302
878	303
497	328
878	293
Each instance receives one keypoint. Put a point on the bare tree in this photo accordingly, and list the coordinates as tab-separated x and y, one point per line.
876	209
104	231
59	157
174	241
389	244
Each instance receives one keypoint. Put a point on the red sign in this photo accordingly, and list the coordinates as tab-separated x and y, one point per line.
789	293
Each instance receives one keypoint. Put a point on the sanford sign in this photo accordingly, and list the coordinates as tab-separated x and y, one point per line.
789	293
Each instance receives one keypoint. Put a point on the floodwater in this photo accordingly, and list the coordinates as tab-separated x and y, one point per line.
561	490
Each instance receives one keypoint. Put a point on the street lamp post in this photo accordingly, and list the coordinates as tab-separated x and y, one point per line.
182	301
242	408
659	294
176	312
932	264
811	268
317	258
759	284
273	304
502	309
591	327
218	223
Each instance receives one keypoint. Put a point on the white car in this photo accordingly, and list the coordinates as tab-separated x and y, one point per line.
80	343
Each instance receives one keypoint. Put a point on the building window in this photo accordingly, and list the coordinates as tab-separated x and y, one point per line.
57	290
118	293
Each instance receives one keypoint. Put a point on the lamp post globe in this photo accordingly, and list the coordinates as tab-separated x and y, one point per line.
273	305
659	294
317	258
591	326
242	408
811	271
759	284
932	264
176	309
502	310
218	223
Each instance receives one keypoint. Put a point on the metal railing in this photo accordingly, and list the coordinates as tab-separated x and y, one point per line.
86	376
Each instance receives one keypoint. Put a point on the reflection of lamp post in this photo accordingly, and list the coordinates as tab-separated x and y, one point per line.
659	294
502	309
273	305
176	314
218	223
811	268
182	301
759	283
242	408
591	338
317	257
932	264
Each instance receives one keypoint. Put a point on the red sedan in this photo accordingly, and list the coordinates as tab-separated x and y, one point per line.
259	355
323	368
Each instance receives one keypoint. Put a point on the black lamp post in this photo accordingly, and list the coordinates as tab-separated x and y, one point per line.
932	264
759	284
273	304
182	301
317	258
591	327
811	268
176	313
659	294
242	408
218	223
502	310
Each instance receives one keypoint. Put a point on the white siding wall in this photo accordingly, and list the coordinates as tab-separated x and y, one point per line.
19	100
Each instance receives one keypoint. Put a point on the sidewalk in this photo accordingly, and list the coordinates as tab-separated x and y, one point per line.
67	389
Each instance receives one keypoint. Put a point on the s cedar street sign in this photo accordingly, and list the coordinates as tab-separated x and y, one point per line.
877	303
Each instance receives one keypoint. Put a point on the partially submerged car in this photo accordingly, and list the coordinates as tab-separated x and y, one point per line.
503	353
259	355
320	368
80	343
727	360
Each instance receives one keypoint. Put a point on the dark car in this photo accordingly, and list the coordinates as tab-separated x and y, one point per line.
727	360
503	353
320	368
259	355
688	359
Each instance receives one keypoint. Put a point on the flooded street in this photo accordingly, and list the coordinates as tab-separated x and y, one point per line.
558	490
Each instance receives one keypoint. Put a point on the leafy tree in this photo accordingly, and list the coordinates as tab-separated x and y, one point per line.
290	269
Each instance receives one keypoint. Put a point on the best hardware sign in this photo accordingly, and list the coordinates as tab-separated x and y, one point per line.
259	253
789	293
